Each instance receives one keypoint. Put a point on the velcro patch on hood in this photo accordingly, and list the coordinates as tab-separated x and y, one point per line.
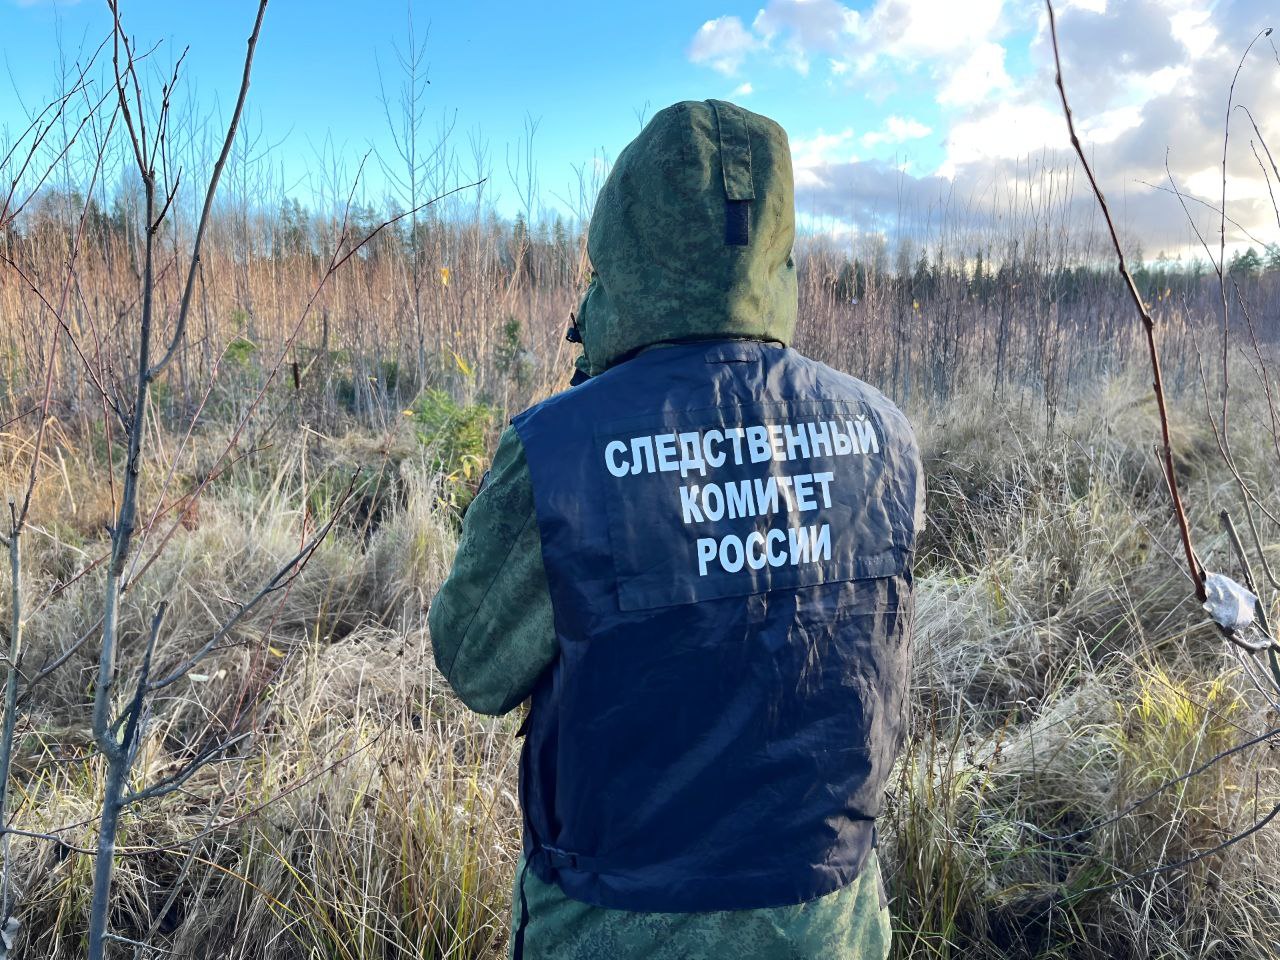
692	235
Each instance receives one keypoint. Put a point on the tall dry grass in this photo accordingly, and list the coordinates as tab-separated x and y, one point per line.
1061	671
478	307
372	817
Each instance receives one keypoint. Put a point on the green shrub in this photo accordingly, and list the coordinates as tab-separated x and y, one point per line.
512	358
389	376
369	490
454	435
240	352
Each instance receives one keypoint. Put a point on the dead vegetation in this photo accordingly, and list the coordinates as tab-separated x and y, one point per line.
1062	669
345	370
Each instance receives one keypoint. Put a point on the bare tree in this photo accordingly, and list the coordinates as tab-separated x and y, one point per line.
419	170
118	735
1236	610
19	508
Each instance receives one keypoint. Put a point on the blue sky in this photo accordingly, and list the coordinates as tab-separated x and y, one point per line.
922	103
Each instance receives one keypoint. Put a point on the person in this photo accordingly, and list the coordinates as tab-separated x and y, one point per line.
696	565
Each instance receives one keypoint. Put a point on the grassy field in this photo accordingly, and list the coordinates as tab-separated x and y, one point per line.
1061	670
325	416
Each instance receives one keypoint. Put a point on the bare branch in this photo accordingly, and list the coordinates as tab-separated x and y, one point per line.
1083	832
184	309
1148	323
171	783
281	579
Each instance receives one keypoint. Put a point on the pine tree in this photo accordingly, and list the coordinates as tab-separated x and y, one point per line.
1246	265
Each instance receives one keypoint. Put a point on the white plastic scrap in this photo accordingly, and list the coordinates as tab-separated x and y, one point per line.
1230	604
8	935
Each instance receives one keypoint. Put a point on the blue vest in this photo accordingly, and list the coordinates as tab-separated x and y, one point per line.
727	529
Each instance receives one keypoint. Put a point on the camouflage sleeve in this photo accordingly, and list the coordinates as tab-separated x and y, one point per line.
491	623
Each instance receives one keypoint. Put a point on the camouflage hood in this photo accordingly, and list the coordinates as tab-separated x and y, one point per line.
691	236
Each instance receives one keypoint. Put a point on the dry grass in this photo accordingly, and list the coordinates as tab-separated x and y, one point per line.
1061	671
1062	668
372	816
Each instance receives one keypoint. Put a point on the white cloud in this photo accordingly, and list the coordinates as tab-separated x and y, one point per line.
1146	78
820	148
896	130
743	90
723	43
1195	30
940	30
955	44
809	155
974	79
1109	125
818	25
806	26
1012	130
1006	131
1093	6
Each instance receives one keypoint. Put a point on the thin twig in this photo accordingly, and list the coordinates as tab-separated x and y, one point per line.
180	326
1148	324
